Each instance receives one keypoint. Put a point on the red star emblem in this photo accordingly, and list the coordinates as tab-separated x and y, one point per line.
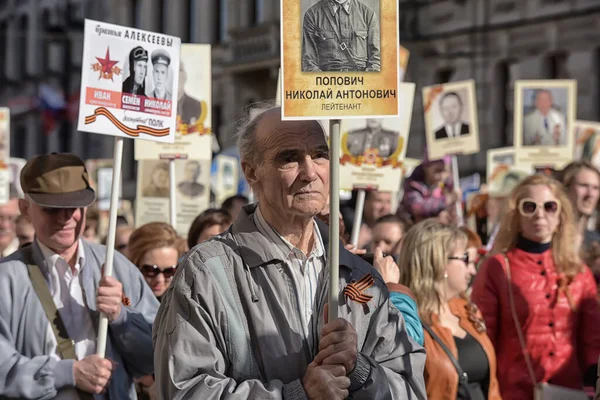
107	65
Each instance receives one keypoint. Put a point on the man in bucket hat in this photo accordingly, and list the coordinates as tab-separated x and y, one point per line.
52	291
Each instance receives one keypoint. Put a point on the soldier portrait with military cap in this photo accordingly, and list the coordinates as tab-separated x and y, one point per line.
160	74
138	68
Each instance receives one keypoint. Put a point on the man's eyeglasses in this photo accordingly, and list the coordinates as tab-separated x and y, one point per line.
151	271
528	207
464	258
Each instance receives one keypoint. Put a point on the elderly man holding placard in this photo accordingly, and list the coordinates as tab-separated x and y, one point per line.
245	314
52	291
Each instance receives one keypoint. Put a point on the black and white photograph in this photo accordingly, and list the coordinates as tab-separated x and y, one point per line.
160	75
189	186
452	111
192	191
137	72
341	35
194	133
155	179
148	74
373	137
543	121
451	119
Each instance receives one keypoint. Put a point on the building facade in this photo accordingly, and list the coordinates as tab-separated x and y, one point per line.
494	42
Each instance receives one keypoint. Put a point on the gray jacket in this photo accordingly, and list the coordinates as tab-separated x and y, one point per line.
229	326
27	371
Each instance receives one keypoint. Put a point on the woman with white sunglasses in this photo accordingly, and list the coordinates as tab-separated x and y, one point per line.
537	297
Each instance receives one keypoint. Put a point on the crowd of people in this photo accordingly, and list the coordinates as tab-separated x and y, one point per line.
238	309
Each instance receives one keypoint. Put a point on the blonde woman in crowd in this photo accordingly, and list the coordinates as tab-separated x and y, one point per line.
434	264
537	297
155	248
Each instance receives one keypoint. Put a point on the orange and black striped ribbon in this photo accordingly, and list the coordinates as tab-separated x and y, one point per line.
124	128
354	290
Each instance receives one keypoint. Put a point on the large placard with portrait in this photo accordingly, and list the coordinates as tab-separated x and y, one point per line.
451	124
193	137
127	82
340	59
372	149
587	141
192	192
544	116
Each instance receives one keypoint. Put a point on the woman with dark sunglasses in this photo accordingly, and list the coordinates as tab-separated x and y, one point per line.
434	264
155	248
537	297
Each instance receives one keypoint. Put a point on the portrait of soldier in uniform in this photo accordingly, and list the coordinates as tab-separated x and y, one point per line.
341	35
188	108
373	136
138	67
451	110
160	75
189	186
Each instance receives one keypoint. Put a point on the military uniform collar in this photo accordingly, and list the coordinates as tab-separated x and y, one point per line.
336	6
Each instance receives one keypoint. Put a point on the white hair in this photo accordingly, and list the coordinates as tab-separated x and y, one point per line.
246	132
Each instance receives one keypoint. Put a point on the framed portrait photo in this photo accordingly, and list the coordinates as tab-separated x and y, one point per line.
340	60
451	125
544	116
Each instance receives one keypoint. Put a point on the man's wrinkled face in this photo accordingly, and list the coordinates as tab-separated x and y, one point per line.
57	228
160	76
451	109
139	71
293	177
8	214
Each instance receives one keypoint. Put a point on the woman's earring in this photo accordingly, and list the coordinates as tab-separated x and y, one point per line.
445	275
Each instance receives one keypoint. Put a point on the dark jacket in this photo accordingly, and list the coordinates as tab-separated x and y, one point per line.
128	87
442	133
